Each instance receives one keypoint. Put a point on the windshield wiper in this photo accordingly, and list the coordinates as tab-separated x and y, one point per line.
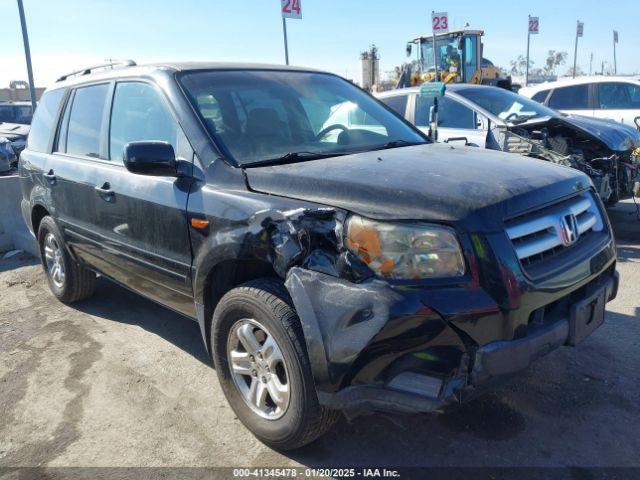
294	157
397	143
521	119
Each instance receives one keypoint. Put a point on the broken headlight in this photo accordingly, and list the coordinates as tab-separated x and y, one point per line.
405	251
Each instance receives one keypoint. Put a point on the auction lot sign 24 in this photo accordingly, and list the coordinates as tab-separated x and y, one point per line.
292	9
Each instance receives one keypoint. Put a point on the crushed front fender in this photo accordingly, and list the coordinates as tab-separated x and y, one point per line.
362	337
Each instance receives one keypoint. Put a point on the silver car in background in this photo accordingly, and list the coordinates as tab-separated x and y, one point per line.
498	119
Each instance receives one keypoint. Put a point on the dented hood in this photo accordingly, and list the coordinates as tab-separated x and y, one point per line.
434	182
616	136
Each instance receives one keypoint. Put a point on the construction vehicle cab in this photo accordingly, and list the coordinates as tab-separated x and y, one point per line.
455	58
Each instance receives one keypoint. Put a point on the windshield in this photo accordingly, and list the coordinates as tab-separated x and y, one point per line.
261	116
447	53
504	104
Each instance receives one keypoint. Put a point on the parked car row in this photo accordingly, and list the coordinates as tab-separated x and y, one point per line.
334	258
498	119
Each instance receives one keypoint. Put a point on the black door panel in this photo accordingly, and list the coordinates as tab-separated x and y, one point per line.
135	231
132	228
72	198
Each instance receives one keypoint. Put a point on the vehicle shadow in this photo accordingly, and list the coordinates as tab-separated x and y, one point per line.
19	260
117	304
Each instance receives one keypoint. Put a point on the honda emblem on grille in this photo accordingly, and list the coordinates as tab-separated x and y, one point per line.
569	229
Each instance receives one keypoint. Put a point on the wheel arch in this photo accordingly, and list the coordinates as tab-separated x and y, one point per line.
38	212
221	278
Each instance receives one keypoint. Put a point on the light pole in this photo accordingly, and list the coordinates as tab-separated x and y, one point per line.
615	60
579	32
27	54
286	43
526	75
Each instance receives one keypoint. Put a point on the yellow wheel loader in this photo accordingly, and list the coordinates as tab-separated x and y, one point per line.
456	58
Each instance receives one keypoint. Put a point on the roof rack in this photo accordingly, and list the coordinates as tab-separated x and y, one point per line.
88	70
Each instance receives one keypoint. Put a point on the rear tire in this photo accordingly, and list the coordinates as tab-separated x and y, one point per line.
263	307
68	281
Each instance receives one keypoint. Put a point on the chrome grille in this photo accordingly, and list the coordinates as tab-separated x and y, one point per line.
550	230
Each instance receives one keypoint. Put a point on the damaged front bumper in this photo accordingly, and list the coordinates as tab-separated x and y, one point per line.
374	346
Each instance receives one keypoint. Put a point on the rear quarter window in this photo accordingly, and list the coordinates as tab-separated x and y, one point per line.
42	126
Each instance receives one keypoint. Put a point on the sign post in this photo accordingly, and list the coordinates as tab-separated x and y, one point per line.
27	54
615	62
439	24
579	33
534	26
289	9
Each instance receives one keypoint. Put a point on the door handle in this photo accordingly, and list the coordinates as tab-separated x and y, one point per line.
105	191
51	178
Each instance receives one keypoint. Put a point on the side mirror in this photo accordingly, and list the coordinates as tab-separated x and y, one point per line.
151	158
637	122
408	49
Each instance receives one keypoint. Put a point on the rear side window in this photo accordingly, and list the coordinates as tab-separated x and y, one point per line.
42	125
139	114
397	103
570	98
618	96
85	120
541	96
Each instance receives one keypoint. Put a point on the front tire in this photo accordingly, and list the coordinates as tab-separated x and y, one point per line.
263	367
68	281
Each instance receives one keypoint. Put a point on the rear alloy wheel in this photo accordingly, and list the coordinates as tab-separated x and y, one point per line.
68	281
54	265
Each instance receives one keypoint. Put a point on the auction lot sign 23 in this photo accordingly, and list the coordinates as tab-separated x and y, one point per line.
439	22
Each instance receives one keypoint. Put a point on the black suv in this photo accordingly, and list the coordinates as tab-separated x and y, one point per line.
333	258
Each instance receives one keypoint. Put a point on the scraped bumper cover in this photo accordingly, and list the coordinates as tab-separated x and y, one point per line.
506	357
373	348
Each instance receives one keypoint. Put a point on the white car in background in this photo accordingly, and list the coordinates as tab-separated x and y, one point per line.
613	98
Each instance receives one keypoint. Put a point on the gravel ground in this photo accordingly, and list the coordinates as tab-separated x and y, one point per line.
119	381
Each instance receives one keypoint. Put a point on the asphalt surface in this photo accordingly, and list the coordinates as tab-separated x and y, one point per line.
119	381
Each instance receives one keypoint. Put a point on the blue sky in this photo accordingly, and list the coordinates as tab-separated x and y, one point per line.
66	34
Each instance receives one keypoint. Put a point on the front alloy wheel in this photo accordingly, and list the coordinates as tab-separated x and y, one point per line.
263	367
258	369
